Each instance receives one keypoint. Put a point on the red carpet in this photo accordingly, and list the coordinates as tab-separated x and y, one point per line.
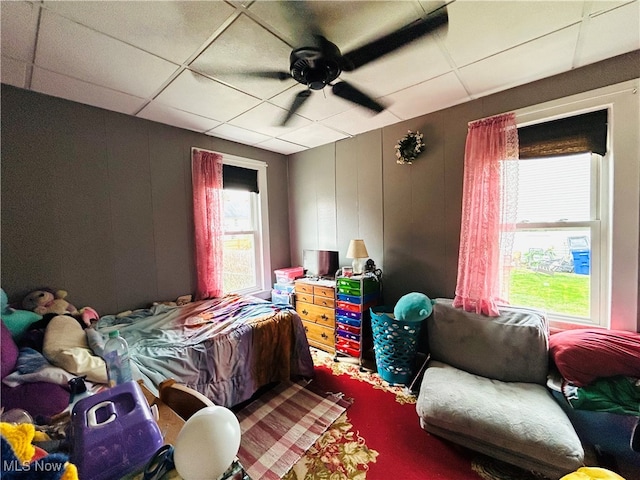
379	437
392	429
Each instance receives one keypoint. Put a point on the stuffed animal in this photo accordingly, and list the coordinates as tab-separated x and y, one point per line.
48	301
17	321
413	307
22	460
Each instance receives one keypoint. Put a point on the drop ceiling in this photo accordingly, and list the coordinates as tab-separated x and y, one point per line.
181	62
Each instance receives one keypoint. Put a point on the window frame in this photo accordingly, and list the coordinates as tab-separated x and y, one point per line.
622	178
599	226
262	244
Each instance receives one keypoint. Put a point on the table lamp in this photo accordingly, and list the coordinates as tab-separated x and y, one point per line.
358	251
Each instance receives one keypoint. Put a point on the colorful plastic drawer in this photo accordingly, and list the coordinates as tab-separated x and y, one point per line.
354	322
352	352
348	347
349	328
350	286
349	336
349	307
348	314
371	297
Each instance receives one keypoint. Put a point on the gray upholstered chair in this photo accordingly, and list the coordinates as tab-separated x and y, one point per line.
485	388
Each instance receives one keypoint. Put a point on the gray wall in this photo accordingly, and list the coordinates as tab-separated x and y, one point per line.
99	203
410	216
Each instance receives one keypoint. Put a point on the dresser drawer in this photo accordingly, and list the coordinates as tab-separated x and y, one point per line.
302	287
317	314
324	301
323	291
318	333
304	297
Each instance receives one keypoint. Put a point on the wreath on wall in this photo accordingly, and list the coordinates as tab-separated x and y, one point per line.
409	147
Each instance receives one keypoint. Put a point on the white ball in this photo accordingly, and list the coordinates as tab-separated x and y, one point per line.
207	444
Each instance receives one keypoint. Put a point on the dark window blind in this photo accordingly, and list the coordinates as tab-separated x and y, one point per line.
578	134
238	178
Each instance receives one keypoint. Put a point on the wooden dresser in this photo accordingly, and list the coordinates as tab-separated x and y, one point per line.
315	303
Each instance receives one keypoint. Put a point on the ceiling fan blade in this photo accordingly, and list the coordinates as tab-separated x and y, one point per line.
275	74
349	92
202	75
394	40
302	19
295	106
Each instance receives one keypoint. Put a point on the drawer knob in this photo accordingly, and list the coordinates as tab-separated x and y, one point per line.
324	317
325	336
305	312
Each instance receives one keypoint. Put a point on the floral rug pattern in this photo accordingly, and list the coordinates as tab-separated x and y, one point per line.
339	454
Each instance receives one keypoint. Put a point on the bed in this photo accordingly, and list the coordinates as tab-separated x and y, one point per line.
225	348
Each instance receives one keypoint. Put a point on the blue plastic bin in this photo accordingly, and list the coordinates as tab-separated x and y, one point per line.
581	261
394	342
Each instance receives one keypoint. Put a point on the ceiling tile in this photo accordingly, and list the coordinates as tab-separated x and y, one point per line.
171	116
173	30
237	134
429	96
480	29
313	135
246	47
609	34
280	146
13	72
76	51
359	120
532	61
266	118
19	21
194	93
59	85
600	6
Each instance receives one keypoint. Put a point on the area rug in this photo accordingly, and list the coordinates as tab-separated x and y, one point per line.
380	437
281	425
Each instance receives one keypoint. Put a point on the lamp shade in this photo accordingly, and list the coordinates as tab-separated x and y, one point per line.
357	249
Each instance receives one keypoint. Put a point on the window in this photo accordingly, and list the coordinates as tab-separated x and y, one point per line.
246	264
558	247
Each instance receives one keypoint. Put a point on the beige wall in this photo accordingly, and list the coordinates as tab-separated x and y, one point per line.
99	203
409	216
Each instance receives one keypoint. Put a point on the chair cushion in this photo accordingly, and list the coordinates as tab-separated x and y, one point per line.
516	422
471	342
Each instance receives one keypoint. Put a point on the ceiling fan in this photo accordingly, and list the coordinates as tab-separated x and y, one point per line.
321	63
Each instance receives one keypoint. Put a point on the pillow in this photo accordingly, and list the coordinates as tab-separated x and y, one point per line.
9	350
65	346
17	321
584	355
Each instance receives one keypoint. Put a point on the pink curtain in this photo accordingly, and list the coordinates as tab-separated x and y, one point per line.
206	175
488	213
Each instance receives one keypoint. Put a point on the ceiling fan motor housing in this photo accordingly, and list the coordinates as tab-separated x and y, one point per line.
314	67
